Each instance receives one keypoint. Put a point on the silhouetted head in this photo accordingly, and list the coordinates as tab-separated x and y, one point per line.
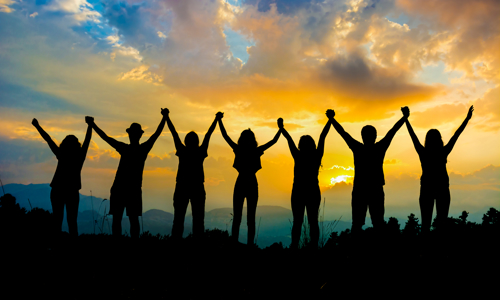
135	132
70	143
369	135
433	140
247	139
307	144
191	140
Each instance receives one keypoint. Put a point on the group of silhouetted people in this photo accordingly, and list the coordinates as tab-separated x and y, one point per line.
367	193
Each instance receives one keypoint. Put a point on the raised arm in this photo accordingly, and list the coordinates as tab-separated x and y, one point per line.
291	143
271	142
322	137
454	138
177	141
350	141
206	139
152	139
386	141
224	133
111	141
88	136
46	137
416	143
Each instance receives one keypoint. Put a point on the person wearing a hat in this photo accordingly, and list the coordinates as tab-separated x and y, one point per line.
126	192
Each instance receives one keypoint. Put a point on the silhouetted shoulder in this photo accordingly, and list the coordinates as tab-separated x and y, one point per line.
247	160
120	147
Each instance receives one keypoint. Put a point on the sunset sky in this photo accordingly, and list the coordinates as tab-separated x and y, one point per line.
256	61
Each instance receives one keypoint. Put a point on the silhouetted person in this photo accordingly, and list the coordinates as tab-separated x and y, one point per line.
67	181
434	182
247	162
190	179
305	192
126	192
368	186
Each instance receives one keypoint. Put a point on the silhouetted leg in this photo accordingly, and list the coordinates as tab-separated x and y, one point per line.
312	207
181	201
135	228
72	212
252	198
198	210
238	199
116	209
298	208
359	207
426	201
57	201
443	201
376	207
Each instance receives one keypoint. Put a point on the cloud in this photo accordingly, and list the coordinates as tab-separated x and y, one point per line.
141	73
471	39
4	6
33	15
439	115
79	10
161	35
488	108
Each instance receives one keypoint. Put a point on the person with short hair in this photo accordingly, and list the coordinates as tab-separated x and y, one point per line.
67	180
369	181
126	192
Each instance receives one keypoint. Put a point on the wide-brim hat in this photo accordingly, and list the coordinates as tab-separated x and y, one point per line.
135	128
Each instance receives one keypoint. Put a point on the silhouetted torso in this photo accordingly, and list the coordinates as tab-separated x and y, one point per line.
191	164
306	168
131	166
68	171
247	161
368	163
434	167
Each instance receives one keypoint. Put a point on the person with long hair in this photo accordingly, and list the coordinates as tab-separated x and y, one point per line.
190	178
306	194
126	192
67	180
247	155
434	182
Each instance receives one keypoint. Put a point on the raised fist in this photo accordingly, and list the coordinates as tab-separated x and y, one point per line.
280	123
219	115
165	112
34	122
330	113
406	111
89	120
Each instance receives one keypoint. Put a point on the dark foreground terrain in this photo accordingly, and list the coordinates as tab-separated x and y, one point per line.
459	262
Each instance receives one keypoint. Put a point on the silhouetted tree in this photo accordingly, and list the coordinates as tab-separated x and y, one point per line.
392	227
491	217
412	227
